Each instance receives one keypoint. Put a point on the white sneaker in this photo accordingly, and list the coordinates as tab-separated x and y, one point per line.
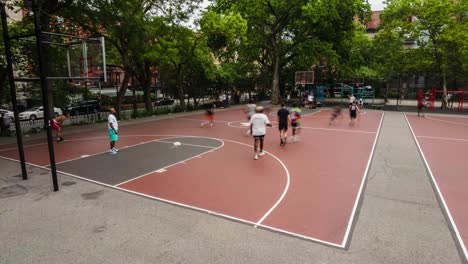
256	156
116	150
262	153
112	152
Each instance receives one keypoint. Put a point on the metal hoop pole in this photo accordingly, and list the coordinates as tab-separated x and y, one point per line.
45	90
11	80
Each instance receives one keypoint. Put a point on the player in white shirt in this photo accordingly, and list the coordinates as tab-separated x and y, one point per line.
352	99
249	111
310	100
258	123
113	130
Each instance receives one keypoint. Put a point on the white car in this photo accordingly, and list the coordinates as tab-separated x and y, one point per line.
7	113
37	113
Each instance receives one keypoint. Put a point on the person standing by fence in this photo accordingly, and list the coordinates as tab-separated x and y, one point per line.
113	130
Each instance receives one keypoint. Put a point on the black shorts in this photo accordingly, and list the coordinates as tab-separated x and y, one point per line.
259	137
209	112
295	125
283	126
352	114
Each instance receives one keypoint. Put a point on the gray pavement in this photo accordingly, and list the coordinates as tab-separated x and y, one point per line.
399	221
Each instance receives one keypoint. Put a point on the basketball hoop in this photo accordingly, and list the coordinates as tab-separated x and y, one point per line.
304	77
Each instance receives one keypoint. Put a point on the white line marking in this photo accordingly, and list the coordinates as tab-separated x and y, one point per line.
300	236
143	195
234	126
444	138
84	156
197	208
232	141
106	151
311	114
245	125
286	188
445	121
161	171
340	130
168	166
439	193
68	140
202	120
364	178
186	144
129	146
192	207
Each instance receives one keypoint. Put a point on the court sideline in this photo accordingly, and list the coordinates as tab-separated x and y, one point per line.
399	221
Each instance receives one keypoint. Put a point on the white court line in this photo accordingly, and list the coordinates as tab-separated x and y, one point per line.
444	138
230	124
202	120
288	180
40	144
445	121
125	147
106	151
187	144
234	126
311	114
340	130
300	236
364	178
140	194
439	193
197	208
173	164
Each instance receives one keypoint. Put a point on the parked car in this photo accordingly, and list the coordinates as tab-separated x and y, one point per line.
83	107
164	101
37	113
7	113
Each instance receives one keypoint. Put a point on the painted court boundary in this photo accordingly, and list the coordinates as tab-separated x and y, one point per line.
445	121
441	198
361	188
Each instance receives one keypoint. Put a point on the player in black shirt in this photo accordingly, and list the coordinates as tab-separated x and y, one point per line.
283	121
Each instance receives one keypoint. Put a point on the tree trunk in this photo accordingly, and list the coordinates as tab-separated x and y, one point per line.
180	91
121	93
147	95
275	85
444	89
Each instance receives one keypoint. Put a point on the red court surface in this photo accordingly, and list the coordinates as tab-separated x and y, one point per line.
443	142
310	189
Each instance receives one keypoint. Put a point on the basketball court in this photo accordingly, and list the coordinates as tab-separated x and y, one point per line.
309	189
442	142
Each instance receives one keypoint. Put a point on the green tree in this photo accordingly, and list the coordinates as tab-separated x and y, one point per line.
277	28
124	24
433	24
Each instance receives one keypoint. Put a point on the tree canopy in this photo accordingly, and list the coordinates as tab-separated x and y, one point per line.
244	45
